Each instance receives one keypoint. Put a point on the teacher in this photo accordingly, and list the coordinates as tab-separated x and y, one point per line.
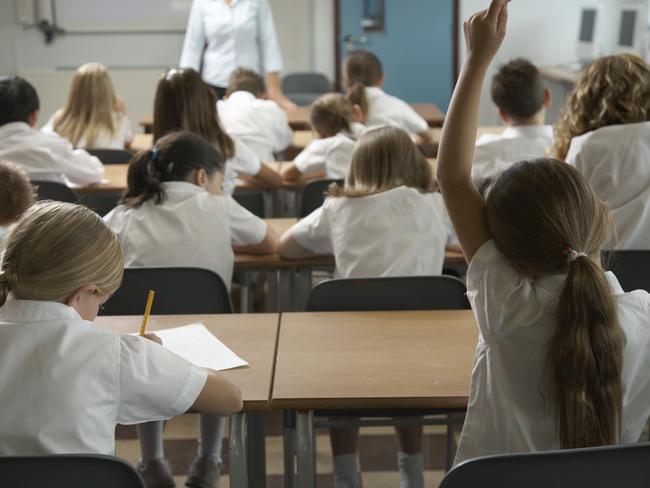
223	35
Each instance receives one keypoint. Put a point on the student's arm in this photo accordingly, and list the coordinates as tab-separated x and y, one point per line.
265	246
268	177
79	167
289	248
194	38
291	173
310	236
218	397
484	33
249	233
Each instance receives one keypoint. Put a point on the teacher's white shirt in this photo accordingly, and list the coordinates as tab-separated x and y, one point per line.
241	35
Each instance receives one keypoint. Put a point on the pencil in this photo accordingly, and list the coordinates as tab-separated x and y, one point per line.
147	311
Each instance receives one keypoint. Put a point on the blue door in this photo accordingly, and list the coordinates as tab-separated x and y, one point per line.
415	46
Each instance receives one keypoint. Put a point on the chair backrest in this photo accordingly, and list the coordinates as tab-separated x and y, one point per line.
178	291
312	83
50	190
112	156
313	195
601	467
632	268
391	293
251	200
68	471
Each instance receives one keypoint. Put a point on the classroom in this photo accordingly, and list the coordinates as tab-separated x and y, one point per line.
324	243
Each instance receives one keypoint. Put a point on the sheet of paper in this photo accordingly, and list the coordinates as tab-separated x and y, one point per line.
200	347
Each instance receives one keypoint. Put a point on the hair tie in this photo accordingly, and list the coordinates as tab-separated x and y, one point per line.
572	254
8	277
154	154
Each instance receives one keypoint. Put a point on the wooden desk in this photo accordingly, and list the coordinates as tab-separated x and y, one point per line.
142	142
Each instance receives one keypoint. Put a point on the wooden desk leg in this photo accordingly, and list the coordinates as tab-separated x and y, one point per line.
256	455
237	440
306	458
289	445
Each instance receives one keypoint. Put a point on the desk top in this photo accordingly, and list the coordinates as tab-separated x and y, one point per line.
250	336
342	360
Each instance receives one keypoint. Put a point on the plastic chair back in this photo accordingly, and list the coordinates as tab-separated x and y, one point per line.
313	195
251	200
632	268
51	190
304	88
111	156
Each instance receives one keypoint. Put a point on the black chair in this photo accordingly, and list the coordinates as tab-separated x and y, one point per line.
112	156
304	88
600	467
68	471
632	268
178	291
50	190
251	200
313	195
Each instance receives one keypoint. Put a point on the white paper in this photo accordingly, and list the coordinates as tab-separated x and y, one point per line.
200	347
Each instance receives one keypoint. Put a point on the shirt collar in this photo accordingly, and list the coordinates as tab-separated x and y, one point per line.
528	131
15	310
16	127
241	96
374	91
181	187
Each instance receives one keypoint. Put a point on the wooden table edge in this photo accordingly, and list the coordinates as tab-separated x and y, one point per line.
416	403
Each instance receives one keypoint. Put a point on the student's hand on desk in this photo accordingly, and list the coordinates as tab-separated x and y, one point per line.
485	30
153	337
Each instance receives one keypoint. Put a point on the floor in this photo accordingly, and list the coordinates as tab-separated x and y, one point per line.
377	453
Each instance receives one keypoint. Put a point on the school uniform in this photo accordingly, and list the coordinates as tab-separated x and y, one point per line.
191	227
66	382
616	162
331	155
4	235
507	411
399	232
261	124
122	136
494	153
385	109
245	161
48	157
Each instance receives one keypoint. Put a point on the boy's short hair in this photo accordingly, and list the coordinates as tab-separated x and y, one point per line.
18	99
245	80
16	192
517	89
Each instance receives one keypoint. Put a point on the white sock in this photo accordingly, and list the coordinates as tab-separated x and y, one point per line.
211	437
346	471
151	441
411	470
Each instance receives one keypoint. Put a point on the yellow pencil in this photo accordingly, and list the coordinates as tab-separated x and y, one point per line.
147	311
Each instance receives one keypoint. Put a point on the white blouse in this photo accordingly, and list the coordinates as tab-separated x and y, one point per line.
331	155
245	161
66	382
122	136
385	109
241	35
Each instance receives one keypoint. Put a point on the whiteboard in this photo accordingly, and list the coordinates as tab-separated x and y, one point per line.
122	15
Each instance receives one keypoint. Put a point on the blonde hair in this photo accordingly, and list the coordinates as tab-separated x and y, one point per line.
540	211
612	90
385	158
330	114
16	192
90	108
57	248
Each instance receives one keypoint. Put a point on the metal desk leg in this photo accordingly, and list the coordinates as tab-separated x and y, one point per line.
256	455
306	457
285	289
302	287
272	304
267	199
289	444
245	295
238	461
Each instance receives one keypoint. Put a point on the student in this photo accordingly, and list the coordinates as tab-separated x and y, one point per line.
332	118
43	156
519	94
604	130
174	214
387	221
563	353
363	77
184	102
69	381
247	114
94	116
16	196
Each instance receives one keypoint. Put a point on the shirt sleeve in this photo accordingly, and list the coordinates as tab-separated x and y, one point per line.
268	39
313	232
79	167
194	38
412	120
282	132
313	158
154	383
245	160
245	228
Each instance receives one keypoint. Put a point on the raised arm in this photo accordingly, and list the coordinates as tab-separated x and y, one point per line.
484	32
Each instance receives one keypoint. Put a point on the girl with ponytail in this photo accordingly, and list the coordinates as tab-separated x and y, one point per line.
555	365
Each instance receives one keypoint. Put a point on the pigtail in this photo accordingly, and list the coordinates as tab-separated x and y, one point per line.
143	179
357	96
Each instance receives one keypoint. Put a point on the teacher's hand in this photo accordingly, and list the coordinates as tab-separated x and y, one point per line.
275	92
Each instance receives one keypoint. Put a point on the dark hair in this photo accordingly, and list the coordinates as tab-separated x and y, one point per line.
243	79
518	89
361	69
184	102
18	99
16	192
173	158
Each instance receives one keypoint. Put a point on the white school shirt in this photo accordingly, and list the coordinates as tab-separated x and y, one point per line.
331	154
190	228
494	153
261	124
66	382
616	162
245	161
385	109
241	35
4	234
399	232
122	136
48	157
516	320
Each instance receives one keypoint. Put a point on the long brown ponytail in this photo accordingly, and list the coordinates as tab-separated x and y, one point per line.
361	69
546	219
